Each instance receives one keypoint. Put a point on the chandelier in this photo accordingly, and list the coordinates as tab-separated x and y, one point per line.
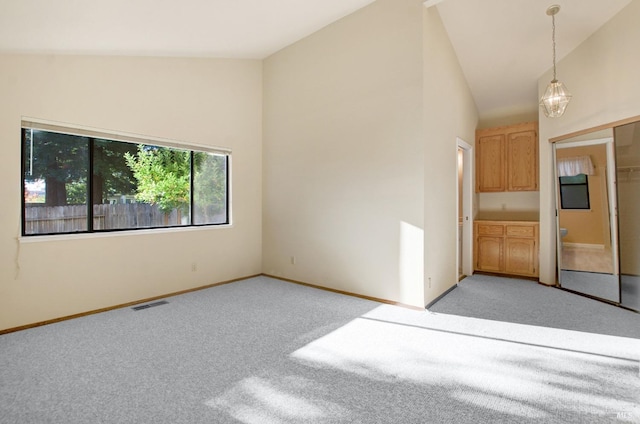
556	97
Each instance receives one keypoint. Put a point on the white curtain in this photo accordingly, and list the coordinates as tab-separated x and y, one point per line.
570	167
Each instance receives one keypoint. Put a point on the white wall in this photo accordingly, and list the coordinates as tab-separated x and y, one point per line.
202	101
343	155
449	112
510	201
602	74
359	152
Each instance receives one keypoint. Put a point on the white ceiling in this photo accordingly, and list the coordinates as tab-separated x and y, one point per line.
503	46
210	28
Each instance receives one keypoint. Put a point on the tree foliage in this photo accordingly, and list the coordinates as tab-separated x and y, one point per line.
58	159
163	176
61	160
164	179
210	182
156	175
111	175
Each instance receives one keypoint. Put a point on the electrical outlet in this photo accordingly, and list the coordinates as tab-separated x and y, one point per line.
293	260
194	266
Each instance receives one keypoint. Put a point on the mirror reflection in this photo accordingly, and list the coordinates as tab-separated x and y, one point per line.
598	208
585	193
627	145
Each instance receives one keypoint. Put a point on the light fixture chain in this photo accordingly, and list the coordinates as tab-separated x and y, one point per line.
556	97
553	38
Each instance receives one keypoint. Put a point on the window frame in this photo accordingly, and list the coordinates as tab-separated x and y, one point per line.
93	135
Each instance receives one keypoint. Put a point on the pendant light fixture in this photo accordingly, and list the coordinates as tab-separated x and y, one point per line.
556	97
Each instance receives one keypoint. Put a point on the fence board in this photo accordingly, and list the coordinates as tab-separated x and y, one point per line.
73	218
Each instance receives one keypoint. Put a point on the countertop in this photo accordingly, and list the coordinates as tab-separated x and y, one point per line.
530	216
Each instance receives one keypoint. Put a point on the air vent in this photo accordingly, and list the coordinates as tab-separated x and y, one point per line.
149	305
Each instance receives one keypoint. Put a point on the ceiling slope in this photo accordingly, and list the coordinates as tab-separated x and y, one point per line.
504	46
203	28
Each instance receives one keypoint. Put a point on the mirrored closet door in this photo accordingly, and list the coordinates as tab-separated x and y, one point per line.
586	208
627	145
597	177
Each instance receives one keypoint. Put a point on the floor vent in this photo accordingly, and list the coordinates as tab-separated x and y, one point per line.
149	305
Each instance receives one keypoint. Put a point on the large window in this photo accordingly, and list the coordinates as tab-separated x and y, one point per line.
79	182
574	192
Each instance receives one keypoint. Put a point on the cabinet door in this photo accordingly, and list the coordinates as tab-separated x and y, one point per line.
522	161
490	166
520	258
489	251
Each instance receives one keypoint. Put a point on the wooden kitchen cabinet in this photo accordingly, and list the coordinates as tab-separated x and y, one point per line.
506	247
520	257
507	158
490	164
490	254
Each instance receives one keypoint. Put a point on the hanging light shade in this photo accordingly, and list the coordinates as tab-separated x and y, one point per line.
556	97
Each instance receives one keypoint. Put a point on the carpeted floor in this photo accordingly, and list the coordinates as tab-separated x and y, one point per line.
604	286
527	302
267	351
630	291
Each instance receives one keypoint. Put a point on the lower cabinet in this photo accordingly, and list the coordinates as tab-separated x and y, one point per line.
490	254
506	247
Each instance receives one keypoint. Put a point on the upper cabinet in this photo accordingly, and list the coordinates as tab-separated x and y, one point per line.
507	158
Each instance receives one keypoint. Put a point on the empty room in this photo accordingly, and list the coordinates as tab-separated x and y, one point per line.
375	211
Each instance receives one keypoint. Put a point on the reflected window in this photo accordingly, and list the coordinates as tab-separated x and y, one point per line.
574	192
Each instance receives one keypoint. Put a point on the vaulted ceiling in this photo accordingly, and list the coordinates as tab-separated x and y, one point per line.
206	28
503	46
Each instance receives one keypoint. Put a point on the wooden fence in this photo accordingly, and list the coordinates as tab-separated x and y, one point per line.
73	218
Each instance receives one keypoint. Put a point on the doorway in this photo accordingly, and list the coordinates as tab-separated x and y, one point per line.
464	157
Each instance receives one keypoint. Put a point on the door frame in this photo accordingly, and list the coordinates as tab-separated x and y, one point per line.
467	206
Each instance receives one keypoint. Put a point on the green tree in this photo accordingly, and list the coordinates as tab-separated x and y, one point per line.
209	185
164	179
59	160
111	174
163	176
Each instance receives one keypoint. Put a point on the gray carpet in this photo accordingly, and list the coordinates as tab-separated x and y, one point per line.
267	351
527	302
604	286
630	291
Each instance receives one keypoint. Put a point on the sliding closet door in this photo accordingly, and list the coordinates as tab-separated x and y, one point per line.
627	143
587	225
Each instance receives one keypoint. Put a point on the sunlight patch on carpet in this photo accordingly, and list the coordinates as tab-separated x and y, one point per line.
486	366
275	400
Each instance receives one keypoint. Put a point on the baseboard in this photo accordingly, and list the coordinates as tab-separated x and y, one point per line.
208	286
437	299
346	293
122	305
